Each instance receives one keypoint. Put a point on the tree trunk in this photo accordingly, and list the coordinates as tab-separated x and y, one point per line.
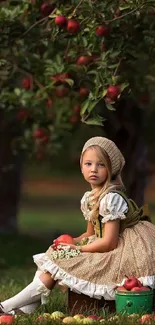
10	171
125	127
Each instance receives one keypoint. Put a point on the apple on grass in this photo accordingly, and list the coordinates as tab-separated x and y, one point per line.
43	317
78	317
95	317
134	315
87	320
68	320
147	318
6	319
57	315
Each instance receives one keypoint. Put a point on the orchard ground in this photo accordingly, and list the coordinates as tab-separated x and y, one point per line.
49	207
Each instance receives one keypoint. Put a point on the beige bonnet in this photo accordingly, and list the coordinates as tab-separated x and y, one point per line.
116	158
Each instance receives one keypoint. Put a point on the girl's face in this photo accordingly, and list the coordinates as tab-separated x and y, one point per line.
93	169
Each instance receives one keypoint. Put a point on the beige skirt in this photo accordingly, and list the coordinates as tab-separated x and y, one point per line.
98	274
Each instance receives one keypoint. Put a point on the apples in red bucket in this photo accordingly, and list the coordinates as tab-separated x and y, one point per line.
67	239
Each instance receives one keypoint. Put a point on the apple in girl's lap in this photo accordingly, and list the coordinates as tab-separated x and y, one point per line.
67	239
6	319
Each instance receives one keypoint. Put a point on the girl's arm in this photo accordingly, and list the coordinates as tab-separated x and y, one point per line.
89	232
108	242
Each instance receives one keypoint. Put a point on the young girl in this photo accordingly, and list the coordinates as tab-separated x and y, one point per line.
119	240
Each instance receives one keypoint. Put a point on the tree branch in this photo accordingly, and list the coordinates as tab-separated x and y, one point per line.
37	23
75	9
120	17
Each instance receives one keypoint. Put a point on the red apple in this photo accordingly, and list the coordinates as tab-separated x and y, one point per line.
39	133
83	92
44	139
59	78
61	21
46	8
152	11
121	288
147	318
84	60
49	103
22	114
136	289
95	317
64	239
113	92
62	91
27	83
102	30
63	77
74	119
73	26
76	108
145	288
6	319
131	282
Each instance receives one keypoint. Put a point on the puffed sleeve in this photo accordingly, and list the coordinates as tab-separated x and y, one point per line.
113	206
84	207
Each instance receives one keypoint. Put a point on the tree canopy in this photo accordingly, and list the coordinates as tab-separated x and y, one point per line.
60	58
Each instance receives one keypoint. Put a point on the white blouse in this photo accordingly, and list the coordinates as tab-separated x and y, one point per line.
112	206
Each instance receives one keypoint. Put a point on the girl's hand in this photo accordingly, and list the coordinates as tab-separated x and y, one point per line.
54	246
69	245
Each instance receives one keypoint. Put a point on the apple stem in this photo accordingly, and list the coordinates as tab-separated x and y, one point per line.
126	276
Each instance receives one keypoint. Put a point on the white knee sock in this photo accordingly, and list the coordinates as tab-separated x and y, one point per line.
29	309
35	291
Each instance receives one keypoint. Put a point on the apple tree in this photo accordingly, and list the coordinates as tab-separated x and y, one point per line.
64	62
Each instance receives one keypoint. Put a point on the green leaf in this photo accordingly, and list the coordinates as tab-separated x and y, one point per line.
88	106
94	121
124	85
70	82
110	107
52	16
84	107
104	92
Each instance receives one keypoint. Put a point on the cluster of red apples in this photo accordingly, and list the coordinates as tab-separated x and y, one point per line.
132	284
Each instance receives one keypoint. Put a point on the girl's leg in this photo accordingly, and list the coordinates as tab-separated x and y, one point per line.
39	288
29	309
